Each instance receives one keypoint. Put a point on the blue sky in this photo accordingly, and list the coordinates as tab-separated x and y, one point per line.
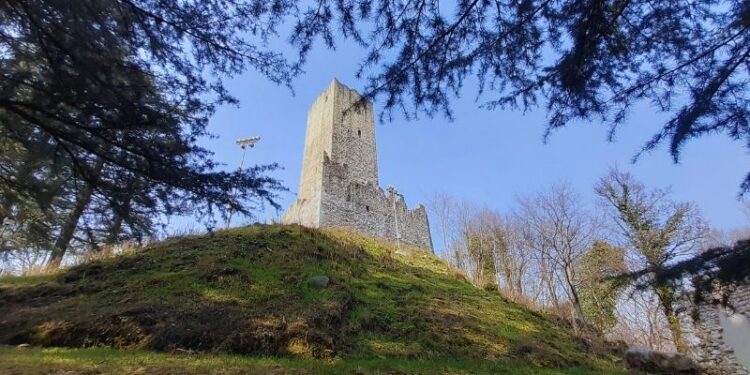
485	157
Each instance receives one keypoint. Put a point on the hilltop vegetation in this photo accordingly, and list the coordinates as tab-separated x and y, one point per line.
248	291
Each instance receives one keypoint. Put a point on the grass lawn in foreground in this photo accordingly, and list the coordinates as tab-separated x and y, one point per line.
33	361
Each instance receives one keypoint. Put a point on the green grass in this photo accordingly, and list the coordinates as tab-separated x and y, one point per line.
246	291
19	281
34	361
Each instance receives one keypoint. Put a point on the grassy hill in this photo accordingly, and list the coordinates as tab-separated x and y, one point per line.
248	292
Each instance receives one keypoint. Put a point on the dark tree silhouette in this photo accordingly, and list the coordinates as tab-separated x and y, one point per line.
131	84
589	60
716	267
96	76
115	95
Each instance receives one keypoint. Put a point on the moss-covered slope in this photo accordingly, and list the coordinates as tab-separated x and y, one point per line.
247	291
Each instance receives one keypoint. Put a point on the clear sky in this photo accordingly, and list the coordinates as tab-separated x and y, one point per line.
485	157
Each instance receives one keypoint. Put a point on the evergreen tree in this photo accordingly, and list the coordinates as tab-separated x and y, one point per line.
599	287
589	60
481	250
108	99
716	267
32	194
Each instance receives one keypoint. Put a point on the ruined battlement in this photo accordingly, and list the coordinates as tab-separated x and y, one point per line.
339	184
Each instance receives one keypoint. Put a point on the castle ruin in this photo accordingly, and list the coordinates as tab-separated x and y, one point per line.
339	184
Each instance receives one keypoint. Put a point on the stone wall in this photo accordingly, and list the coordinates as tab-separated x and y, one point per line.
365	207
339	184
318	141
723	327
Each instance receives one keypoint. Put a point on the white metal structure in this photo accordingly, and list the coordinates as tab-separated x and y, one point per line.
244	143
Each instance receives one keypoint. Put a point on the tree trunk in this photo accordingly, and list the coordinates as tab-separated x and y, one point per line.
113	236
116	228
508	277
552	292
549	283
23	174
576	301
70	225
518	278
673	319
114	231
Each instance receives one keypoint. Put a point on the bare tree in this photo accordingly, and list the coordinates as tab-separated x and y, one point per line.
477	239
442	206
533	255
659	231
511	259
560	231
482	243
454	223
641	322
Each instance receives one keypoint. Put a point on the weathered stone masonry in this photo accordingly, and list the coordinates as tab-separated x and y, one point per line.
720	350
339	183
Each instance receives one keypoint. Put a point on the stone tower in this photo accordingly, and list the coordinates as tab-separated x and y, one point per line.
339	183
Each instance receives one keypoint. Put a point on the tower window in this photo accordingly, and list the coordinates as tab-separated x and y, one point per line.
367	208
359	132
